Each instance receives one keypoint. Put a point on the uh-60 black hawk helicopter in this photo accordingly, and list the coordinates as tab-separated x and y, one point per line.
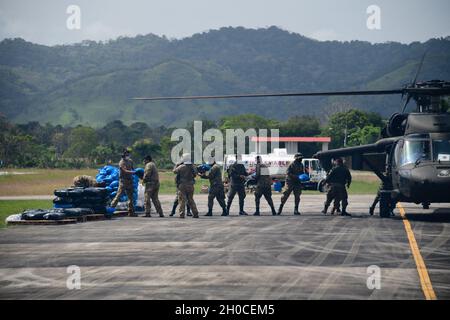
412	158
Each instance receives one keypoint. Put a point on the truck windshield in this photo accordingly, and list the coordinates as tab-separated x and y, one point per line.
415	150
315	165
441	150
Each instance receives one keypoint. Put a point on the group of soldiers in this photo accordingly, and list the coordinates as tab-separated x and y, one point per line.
338	179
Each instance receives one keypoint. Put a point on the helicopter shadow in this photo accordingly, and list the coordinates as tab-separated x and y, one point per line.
438	215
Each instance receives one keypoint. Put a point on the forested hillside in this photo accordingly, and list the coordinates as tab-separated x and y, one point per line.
91	83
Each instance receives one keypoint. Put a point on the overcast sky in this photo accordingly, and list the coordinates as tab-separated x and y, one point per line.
44	21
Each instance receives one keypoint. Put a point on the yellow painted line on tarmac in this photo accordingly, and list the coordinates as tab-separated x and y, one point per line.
425	281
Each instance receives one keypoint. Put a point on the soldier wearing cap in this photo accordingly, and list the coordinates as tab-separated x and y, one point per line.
263	186
216	189
187	173
126	172
293	183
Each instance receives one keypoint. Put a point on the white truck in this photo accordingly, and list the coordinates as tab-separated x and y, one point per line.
278	162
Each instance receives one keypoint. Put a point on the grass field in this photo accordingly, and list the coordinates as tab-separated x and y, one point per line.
30	182
8	207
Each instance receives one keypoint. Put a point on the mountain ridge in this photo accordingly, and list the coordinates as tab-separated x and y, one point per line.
92	82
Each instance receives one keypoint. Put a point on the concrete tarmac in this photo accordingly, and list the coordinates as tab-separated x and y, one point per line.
311	256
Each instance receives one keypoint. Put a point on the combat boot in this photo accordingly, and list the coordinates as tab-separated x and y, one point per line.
209	214
189	213
241	209
280	209
296	212
228	207
148	215
274	212
325	209
224	212
371	210
257	207
333	210
174	208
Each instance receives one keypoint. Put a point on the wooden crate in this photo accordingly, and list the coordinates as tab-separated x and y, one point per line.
86	218
42	222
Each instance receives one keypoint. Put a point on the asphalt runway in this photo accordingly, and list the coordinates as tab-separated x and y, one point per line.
311	256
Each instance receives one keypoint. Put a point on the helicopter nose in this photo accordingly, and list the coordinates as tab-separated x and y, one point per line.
431	184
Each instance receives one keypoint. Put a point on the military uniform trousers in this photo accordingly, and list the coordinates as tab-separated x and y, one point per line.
216	192
151	195
186	196
292	187
337	192
266	191
176	202
127	187
240	190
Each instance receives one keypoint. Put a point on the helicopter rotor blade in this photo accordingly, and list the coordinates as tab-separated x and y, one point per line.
419	68
265	95
408	98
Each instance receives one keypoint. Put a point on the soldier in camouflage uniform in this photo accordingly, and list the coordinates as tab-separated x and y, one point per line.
84	181
177	197
151	183
126	172
338	178
216	189
293	183
263	186
187	173
237	174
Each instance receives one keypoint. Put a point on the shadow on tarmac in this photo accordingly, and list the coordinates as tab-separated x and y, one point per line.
438	215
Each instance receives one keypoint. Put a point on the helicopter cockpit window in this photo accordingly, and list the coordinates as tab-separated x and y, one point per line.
441	150
415	151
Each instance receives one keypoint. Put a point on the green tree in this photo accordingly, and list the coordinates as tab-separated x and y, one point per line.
343	125
144	147
103	154
300	126
82	141
368	134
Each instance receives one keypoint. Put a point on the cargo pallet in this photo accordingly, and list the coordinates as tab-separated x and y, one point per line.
86	218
